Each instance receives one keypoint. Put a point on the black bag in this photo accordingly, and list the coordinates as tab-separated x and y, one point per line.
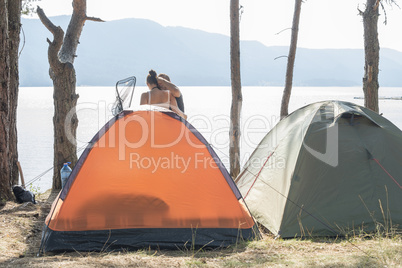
23	195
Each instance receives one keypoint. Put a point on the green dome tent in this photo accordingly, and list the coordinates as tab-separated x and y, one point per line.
325	170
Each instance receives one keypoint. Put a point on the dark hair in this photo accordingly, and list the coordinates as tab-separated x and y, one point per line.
151	78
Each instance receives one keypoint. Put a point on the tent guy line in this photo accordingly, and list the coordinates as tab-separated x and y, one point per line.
318	220
256	177
386	171
38	177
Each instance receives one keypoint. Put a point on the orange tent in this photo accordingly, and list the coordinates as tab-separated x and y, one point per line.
147	179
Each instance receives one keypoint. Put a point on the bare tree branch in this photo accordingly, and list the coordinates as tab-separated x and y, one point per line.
94	19
71	41
283	56
54	47
45	20
381	3
283	30
361	13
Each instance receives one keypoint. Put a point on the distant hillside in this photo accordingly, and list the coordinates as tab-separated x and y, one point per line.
114	50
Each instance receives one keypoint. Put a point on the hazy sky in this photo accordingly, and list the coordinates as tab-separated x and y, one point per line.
323	23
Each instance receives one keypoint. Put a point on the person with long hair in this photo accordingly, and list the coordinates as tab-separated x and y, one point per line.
158	97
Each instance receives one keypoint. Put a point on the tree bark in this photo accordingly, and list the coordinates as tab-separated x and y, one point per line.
65	100
291	60
372	55
5	168
61	55
14	26
65	129
234	135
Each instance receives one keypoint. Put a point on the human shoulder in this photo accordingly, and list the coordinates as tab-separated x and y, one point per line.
144	98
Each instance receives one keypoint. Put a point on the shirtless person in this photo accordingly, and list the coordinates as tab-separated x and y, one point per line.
162	98
165	84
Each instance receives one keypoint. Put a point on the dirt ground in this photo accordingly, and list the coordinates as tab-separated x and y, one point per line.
21	229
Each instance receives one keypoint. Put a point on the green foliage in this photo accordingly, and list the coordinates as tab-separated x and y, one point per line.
34	189
27	7
2	202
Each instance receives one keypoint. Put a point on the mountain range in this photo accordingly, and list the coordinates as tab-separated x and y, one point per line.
113	50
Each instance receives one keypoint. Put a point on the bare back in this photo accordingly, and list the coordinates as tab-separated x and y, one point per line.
160	97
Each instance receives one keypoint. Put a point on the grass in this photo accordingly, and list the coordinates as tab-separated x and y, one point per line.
21	227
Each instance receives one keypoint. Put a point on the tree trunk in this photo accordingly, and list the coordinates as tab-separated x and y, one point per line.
5	168
14	25
372	55
61	55
65	99
234	135
291	60
65	129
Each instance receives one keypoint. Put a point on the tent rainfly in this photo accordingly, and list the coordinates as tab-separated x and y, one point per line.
326	169
147	179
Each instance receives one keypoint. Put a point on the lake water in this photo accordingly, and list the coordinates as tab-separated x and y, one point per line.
208	109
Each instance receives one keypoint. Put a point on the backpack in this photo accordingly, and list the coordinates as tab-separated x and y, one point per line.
23	195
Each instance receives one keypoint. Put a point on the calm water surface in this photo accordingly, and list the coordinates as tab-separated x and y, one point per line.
208	109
